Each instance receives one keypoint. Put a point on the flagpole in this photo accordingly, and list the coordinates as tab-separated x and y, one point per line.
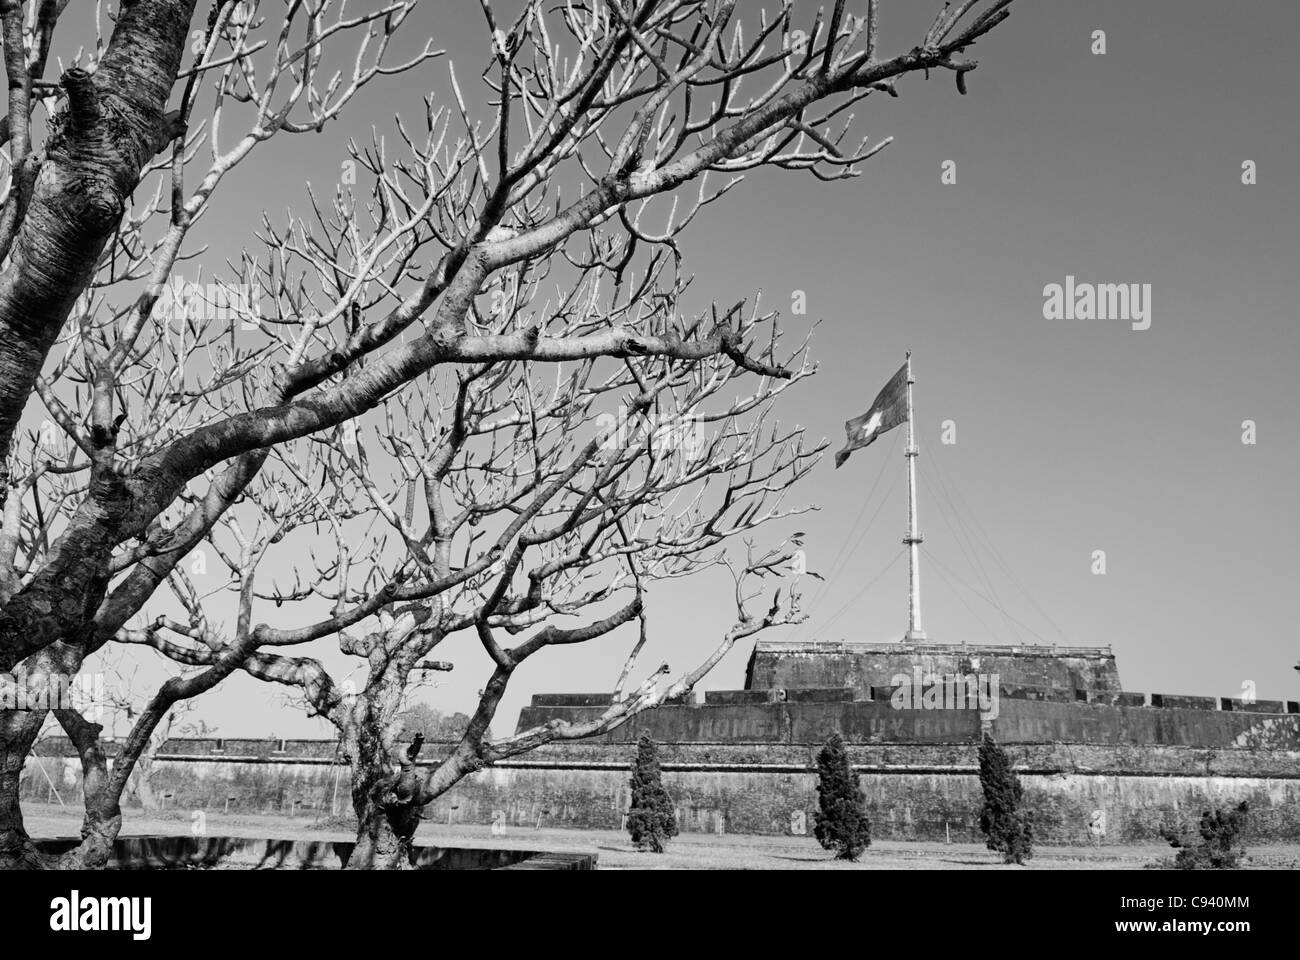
913	539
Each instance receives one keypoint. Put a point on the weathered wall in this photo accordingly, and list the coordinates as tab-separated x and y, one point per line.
902	805
292	785
744	761
915	790
776	722
1017	721
762	789
1053	673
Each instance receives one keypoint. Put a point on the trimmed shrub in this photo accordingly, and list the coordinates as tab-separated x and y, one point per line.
651	819
841	823
1007	825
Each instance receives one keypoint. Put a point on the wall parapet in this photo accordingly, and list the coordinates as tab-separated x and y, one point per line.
857	646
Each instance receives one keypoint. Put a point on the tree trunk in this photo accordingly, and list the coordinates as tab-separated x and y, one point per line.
103	819
116	124
386	808
18	730
379	845
98	834
97	838
388	814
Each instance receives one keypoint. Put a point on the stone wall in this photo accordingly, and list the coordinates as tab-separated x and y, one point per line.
744	760
924	787
755	790
903	805
865	721
1045	672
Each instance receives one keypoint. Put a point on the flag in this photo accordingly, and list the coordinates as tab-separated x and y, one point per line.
887	411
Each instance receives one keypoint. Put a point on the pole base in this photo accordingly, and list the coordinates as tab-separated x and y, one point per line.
913	636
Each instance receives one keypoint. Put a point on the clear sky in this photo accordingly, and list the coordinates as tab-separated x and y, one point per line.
1072	436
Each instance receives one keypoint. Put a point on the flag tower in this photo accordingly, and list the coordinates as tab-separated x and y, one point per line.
913	538
891	408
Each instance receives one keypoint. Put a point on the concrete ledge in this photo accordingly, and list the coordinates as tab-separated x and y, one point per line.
716	698
849	646
572	699
1251	706
1182	702
821	695
174	853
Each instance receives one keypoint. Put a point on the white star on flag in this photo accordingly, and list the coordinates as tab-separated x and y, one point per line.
887	411
871	425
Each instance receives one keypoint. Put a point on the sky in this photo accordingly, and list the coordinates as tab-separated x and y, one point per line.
1072	436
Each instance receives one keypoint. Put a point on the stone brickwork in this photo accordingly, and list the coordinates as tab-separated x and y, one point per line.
866	721
1038	672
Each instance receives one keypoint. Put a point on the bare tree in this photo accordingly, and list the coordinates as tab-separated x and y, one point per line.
93	232
597	115
503	504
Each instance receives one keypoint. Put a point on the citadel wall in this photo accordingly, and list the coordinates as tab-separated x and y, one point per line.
1026	671
750	768
1088	753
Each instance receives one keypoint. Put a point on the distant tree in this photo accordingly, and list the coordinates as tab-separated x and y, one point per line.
1006	823
420	718
841	823
651	819
1218	847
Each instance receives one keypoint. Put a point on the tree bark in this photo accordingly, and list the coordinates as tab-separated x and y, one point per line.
386	820
379	845
18	731
115	125
103	819
385	793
